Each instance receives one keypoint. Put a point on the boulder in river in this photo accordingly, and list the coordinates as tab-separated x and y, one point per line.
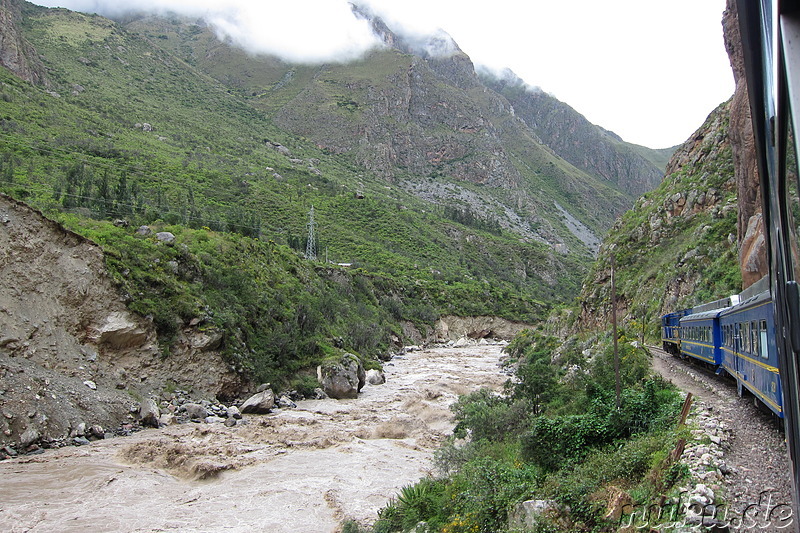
260	403
149	413
375	377
343	378
194	411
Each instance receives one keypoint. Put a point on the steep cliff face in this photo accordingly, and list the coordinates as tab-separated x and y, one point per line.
752	244
677	247
587	146
17	54
699	236
70	351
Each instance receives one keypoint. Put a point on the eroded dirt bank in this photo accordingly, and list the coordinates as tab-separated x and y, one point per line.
297	470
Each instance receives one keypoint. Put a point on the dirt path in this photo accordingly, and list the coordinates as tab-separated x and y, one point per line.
297	470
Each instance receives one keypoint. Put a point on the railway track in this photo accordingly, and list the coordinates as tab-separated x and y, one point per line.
756	455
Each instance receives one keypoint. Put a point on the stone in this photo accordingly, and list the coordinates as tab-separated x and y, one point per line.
233	412
91	384
230	422
144	231
28	437
8	450
166	237
619	503
260	403
96	432
342	379
214	419
194	411
286	402
319	394
525	515
375	377
149	413
119	331
80	441
167	419
207	340
79	430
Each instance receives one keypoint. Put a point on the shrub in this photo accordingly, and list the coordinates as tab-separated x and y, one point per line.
486	415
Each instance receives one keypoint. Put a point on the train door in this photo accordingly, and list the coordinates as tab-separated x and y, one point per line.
737	350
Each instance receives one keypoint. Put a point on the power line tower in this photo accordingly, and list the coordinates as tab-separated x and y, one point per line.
311	242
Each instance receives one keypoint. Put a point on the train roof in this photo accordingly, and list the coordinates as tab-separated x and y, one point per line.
678	314
705	315
750	302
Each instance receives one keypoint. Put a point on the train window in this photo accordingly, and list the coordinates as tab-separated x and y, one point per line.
754	338
762	332
746	338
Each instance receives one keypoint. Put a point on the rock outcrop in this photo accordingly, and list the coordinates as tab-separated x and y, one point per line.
17	54
752	245
454	328
689	220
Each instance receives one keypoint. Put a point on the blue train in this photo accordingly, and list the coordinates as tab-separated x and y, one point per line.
734	336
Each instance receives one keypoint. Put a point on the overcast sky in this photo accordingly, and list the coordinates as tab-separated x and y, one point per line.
650	71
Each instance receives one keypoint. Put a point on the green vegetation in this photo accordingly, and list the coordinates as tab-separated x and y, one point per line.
550	436
138	128
678	246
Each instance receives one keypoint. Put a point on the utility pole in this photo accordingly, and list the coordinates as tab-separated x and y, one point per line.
311	242
614	330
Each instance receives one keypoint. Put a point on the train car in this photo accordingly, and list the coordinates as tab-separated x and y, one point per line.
670	331
701	337
749	352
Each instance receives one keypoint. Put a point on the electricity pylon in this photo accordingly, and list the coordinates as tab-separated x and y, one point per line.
311	243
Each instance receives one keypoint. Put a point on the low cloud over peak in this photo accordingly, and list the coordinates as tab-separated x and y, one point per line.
305	31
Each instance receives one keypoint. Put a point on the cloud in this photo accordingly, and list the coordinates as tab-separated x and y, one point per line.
305	31
508	77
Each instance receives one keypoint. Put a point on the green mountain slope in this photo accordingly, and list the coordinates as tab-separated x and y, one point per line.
598	152
678	246
421	178
426	124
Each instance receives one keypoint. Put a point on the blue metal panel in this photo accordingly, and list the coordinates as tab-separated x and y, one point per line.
750	355
701	337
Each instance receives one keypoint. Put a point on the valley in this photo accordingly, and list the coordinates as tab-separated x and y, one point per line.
185	222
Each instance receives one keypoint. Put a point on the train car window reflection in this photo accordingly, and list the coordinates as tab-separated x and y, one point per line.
762	331
793	199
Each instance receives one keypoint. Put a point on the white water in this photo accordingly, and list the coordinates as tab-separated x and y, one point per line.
297	470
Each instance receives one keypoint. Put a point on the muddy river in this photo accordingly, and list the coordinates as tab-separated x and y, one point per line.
297	470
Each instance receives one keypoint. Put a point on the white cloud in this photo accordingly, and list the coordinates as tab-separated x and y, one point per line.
306	31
